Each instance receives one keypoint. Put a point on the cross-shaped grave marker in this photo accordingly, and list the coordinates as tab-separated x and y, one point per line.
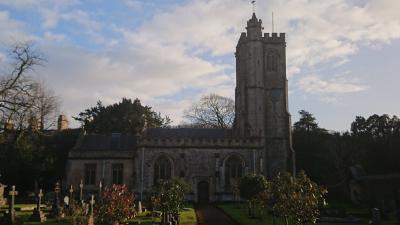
71	192
92	201
91	218
81	191
56	205
37	215
39	199
100	188
11	210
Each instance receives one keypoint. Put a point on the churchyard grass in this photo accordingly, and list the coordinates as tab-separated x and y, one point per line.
240	214
188	217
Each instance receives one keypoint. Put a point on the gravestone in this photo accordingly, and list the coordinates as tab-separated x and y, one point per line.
376	216
3	200
71	192
11	210
56	210
140	207
91	217
81	192
100	188
66	201
38	215
100	195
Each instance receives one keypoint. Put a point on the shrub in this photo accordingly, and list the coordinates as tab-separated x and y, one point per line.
78	214
169	195
296	197
251	188
117	205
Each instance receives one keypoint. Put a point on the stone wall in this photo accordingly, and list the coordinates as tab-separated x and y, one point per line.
104	160
196	165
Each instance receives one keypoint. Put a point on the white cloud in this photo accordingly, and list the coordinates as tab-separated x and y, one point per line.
11	30
315	85
140	71
53	36
163	56
134	4
83	19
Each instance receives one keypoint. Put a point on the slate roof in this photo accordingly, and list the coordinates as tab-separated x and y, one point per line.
211	133
108	142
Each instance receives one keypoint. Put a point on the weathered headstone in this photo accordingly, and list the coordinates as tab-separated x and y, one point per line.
38	215
91	217
100	194
71	192
140	207
376	216
56	210
100	188
66	201
11	210
81	191
3	200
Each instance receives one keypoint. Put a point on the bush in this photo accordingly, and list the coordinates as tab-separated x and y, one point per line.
78	214
251	188
169	195
117	205
295	197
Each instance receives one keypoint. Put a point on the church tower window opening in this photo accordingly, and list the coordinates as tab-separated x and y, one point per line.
162	169
272	61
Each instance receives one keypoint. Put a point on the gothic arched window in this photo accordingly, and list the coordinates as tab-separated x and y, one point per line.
162	169
233	169
272	61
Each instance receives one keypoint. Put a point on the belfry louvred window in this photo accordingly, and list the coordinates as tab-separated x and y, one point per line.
272	61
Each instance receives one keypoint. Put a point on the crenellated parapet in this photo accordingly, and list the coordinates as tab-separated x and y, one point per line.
274	37
201	142
267	38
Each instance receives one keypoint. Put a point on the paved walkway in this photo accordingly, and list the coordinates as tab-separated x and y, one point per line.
210	215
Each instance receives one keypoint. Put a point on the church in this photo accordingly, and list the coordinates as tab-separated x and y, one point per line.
210	160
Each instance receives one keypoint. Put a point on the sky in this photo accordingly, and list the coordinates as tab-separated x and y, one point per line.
342	55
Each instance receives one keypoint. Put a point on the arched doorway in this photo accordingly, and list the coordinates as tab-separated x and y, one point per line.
203	192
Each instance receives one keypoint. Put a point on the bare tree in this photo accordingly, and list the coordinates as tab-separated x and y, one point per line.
212	111
46	107
17	89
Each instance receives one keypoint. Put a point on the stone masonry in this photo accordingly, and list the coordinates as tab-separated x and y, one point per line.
211	160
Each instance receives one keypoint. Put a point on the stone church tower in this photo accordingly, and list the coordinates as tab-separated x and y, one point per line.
261	94
211	160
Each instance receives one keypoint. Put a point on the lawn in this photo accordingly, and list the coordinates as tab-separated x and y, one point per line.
188	217
240	214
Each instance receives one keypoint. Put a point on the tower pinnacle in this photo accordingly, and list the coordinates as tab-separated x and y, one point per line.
254	27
